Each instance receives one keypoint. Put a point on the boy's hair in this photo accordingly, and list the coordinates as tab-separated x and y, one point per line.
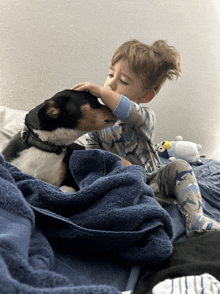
153	64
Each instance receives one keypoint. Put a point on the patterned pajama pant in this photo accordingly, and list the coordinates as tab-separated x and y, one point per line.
177	180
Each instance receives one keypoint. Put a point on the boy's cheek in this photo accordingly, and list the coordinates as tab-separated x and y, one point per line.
106	83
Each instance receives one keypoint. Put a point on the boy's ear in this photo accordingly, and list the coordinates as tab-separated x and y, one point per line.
148	97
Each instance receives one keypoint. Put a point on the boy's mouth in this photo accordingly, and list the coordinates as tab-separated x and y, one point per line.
110	120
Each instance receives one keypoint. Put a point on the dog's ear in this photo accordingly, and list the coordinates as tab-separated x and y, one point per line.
42	116
52	110
32	120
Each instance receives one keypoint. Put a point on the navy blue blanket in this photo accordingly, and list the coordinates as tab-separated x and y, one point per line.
114	213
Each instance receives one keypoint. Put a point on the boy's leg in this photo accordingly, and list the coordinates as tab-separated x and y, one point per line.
177	180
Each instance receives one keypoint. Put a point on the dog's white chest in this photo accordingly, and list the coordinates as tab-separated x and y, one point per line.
42	165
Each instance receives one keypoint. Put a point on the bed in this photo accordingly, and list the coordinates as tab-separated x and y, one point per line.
47	248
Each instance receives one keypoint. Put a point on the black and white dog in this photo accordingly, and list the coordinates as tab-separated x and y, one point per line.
43	148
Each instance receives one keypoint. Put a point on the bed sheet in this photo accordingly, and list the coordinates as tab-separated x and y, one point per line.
11	122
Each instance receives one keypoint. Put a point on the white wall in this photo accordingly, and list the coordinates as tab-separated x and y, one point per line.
47	46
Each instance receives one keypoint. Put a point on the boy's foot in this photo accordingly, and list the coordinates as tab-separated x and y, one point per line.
201	224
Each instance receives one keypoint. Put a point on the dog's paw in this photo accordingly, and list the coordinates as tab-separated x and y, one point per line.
67	189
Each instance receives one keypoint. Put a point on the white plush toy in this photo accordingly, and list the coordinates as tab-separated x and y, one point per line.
179	149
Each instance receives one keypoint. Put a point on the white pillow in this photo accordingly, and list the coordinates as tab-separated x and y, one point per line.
11	122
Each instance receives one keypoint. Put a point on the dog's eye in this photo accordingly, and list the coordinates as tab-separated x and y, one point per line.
71	107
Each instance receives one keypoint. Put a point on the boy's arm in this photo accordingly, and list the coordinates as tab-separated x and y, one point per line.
89	141
141	119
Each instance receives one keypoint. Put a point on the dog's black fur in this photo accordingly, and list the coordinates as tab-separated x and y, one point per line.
54	125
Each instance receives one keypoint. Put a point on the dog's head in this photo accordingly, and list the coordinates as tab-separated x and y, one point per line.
70	109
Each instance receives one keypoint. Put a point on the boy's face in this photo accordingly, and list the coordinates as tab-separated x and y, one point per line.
123	80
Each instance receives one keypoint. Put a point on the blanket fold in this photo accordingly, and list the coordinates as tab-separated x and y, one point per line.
26	257
114	213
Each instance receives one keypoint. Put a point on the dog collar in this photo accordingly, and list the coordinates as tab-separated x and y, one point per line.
29	137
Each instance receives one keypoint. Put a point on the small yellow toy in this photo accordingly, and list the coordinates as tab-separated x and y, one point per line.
179	149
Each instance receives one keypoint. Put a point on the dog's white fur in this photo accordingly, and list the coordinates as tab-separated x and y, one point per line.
60	136
45	165
40	164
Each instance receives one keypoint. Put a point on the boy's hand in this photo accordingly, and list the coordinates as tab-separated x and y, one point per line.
87	86
109	97
125	161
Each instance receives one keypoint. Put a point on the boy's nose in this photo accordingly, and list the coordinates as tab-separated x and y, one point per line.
112	85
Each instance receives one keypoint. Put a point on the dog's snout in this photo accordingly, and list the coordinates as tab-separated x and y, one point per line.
109	112
111	118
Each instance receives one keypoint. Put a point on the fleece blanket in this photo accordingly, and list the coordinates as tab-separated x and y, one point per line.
113	214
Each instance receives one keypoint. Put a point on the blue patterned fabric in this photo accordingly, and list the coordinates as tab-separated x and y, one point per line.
208	178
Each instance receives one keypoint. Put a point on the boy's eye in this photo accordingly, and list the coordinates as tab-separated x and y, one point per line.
123	82
111	75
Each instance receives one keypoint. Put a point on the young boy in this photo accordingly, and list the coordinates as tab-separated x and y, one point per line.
136	75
